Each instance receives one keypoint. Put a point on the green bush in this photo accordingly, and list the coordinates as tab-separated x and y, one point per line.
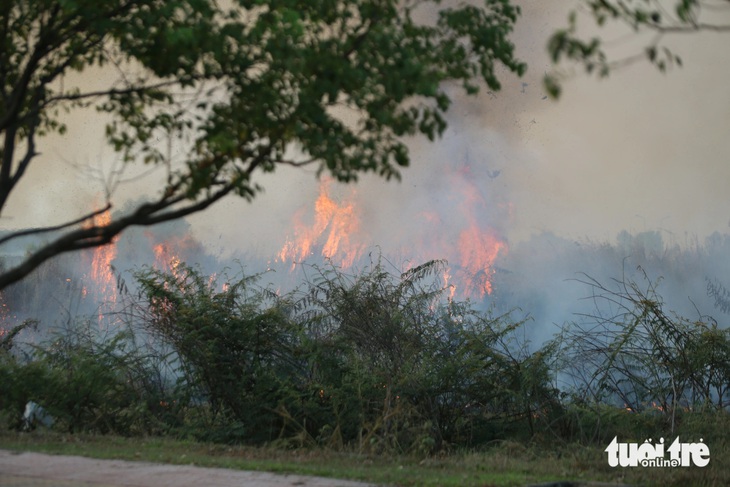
378	361
234	356
375	362
400	366
87	382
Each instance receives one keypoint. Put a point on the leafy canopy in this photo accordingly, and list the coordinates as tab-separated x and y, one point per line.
241	86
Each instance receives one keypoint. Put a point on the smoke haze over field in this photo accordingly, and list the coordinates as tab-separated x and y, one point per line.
639	151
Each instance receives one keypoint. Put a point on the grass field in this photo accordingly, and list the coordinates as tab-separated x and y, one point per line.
504	464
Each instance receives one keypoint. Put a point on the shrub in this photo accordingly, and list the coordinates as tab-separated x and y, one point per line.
86	381
234	355
400	366
634	356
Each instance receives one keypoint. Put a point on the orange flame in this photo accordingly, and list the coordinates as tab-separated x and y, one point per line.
336	234
101	264
337	223
478	247
477	253
166	259
448	285
172	253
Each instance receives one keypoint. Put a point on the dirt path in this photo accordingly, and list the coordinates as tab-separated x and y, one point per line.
39	470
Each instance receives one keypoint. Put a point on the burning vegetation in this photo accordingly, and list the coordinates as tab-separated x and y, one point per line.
375	359
100	278
336	233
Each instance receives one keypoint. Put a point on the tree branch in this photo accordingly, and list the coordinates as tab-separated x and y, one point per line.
6	184
95	236
146	215
110	92
303	163
36	231
30	153
692	28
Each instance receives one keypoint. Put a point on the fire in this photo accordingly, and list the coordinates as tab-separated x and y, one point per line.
461	237
448	285
478	246
101	264
336	223
166	258
477	252
172	251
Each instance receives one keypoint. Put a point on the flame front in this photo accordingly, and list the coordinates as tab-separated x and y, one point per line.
455	232
166	258
478	245
173	251
336	223
101	265
478	250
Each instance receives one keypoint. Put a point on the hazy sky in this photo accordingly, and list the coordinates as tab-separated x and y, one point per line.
638	151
